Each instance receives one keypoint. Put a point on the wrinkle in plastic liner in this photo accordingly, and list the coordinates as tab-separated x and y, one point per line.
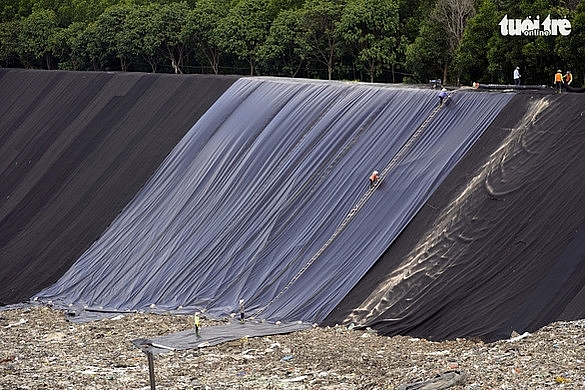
259	185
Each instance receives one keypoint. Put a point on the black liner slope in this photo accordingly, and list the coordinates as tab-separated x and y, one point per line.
74	149
500	245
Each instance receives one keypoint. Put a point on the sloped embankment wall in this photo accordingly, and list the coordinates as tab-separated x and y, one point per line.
246	206
74	149
256	201
499	246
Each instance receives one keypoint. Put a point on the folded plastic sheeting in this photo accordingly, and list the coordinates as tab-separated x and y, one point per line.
214	335
251	204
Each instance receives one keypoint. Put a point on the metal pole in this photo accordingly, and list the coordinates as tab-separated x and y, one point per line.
150	356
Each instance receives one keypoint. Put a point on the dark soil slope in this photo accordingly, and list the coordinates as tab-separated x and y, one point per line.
74	149
500	246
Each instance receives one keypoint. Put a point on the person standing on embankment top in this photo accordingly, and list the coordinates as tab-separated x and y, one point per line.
517	76
568	78
559	81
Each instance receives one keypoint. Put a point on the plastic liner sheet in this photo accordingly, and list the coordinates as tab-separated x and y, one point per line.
75	148
214	335
245	206
511	87
500	246
573	89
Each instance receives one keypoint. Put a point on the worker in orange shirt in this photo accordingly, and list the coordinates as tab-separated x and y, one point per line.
559	81
568	78
374	178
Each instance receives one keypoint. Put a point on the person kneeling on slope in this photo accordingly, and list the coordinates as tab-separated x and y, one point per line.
443	96
374	178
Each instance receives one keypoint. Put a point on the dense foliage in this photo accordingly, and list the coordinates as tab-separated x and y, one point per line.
458	41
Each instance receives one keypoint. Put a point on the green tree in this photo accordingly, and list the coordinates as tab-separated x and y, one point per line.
36	39
244	30
85	10
169	26
426	57
282	51
369	28
90	48
9	32
142	39
504	54
471	56
127	41
451	17
201	30
15	9
104	48
322	41
412	14
540	61
68	48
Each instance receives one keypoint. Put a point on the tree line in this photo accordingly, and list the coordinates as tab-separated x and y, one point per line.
458	41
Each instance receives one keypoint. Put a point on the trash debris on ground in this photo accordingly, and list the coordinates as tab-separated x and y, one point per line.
41	349
438	382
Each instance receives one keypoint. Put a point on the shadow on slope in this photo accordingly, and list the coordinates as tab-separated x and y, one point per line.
74	150
500	245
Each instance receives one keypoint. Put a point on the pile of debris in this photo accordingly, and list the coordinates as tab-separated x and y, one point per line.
40	349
